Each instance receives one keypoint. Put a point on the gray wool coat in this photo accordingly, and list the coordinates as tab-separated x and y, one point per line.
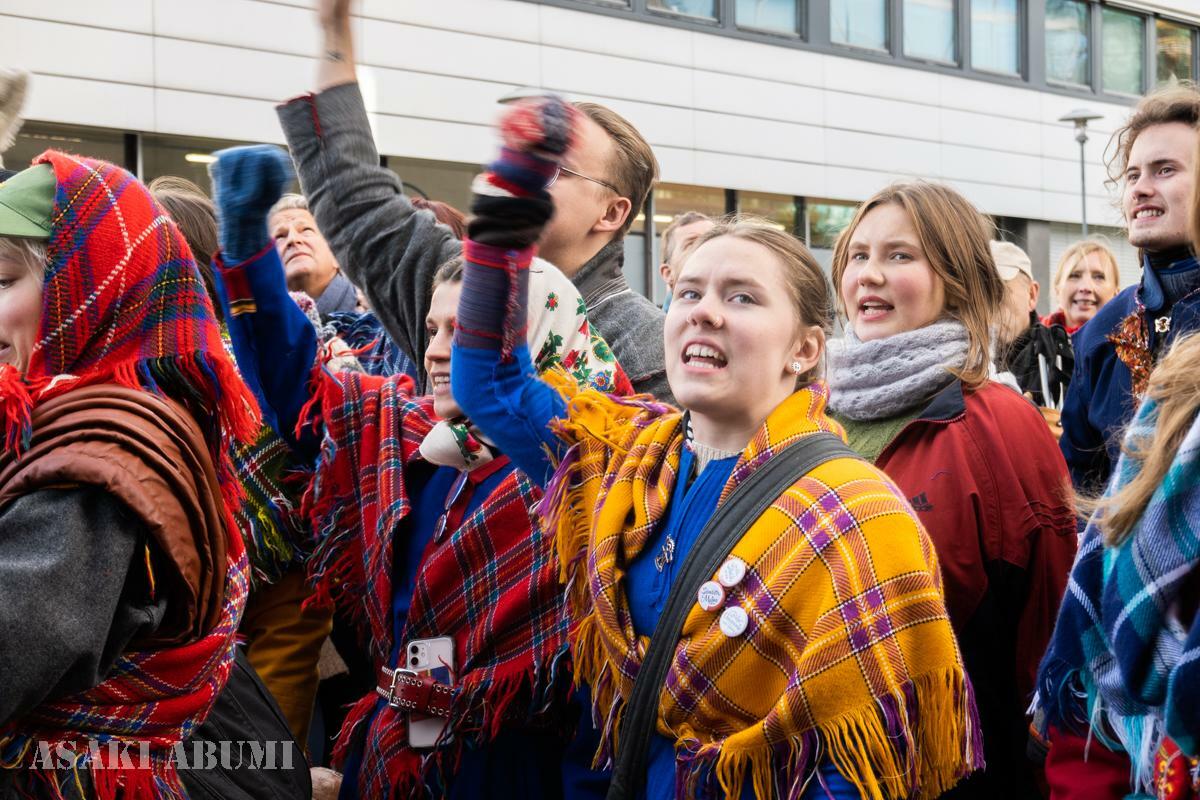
392	250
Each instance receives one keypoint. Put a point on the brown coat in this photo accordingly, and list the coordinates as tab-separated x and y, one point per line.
150	454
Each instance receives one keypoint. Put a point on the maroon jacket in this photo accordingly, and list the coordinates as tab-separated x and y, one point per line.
989	483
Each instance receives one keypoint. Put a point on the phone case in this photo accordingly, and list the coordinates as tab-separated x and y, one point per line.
435	656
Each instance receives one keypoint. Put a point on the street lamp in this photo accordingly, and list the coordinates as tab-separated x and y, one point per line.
1081	117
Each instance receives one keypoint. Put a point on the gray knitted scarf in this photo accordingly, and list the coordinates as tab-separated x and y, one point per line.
886	377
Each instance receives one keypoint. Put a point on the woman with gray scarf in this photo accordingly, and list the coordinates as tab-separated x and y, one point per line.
912	383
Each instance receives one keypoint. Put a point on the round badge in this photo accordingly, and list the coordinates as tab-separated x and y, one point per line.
732	572
710	596
734	621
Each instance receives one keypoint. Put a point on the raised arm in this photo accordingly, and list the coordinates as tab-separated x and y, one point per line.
385	246
492	377
336	64
273	341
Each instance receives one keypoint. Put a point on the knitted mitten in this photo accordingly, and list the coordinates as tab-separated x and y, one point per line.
247	181
511	204
510	209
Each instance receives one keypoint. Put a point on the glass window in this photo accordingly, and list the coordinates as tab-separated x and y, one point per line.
183	157
36	137
1122	51
704	9
778	209
769	15
1174	54
930	31
859	23
446	181
1067	42
824	220
671	199
995	32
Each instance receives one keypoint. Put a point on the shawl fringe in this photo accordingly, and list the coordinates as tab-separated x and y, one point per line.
916	742
876	752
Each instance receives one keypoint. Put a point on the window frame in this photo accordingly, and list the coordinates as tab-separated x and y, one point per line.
1153	45
891	34
957	26
1093	51
1149	48
814	36
1022	44
800	34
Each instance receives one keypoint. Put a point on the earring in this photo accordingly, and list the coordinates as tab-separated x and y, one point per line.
797	367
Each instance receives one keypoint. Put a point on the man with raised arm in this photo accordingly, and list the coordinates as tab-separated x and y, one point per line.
391	250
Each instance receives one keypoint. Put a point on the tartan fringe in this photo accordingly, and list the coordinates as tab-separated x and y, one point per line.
16	409
334	564
266	525
108	781
359	713
915	743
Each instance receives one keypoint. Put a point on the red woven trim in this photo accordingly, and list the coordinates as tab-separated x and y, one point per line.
486	255
512	188
233	269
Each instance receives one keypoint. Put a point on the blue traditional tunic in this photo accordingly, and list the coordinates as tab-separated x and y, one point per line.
518	403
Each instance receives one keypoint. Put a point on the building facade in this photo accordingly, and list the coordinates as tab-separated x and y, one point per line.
792	109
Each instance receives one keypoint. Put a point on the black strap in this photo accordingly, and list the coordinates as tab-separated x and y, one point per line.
743	507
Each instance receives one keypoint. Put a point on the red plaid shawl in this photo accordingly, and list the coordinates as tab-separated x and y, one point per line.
123	304
492	584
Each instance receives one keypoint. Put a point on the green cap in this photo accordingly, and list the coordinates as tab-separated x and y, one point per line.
27	203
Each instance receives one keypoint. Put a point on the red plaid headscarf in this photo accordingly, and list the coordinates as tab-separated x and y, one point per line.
123	304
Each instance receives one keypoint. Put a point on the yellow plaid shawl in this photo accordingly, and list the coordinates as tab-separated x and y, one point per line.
849	650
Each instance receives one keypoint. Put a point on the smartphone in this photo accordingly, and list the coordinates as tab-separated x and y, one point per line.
435	657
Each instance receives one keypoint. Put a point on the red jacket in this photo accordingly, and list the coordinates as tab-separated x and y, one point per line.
989	483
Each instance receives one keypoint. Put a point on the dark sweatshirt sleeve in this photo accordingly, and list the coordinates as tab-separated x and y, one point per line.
69	600
273	341
384	245
1082	445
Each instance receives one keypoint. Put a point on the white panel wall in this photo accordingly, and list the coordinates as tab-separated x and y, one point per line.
719	111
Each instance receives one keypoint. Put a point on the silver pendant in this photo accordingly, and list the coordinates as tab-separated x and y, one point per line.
666	555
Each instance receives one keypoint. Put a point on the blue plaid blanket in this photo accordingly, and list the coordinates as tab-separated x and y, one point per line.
1122	660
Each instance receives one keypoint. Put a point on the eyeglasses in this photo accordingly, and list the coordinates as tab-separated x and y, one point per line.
560	169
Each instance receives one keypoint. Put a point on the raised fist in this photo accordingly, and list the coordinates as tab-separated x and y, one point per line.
544	126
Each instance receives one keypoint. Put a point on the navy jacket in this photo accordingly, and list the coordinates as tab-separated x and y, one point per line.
1100	400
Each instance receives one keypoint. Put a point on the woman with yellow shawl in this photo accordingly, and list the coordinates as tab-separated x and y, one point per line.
818	660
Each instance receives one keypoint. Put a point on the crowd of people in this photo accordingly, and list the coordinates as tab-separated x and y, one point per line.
439	505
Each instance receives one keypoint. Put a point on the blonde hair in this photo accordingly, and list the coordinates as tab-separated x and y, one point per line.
1076	253
635	169
956	240
30	253
1175	386
805	280
1179	103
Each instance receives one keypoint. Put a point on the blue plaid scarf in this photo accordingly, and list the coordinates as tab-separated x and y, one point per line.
1118	649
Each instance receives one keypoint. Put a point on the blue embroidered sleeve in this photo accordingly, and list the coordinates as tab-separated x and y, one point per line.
511	405
273	341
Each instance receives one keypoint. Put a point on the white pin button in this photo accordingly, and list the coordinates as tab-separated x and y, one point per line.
734	621
732	572
710	596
